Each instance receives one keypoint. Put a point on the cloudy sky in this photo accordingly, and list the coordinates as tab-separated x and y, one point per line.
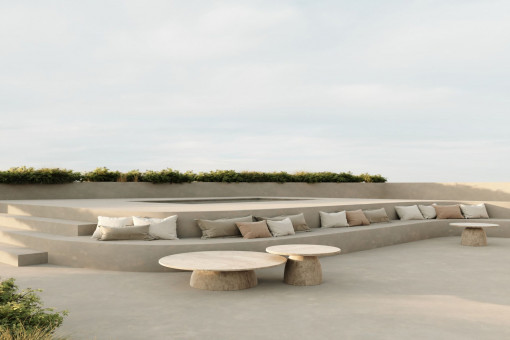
413	90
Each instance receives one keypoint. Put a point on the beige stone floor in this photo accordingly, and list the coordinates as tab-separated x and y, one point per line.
432	289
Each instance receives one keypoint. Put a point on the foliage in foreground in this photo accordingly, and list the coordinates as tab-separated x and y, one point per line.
24	175
34	334
22	313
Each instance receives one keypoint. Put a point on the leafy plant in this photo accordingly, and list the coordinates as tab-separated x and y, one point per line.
24	175
101	175
23	311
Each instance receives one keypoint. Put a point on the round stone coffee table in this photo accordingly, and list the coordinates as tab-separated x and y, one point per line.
473	233
222	270
303	267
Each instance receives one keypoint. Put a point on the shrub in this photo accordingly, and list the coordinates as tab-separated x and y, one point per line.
24	175
167	176
101	175
23	312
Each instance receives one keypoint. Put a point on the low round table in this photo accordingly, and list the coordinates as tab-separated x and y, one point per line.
222	270
303	267
473	233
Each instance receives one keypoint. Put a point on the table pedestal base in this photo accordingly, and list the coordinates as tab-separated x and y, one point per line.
474	237
216	280
303	271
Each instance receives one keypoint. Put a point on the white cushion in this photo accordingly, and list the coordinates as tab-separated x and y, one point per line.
161	228
474	211
409	212
113	222
281	228
333	220
427	211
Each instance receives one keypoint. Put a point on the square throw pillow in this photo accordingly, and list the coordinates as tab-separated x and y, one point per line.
224	227
114	222
474	211
298	221
281	228
333	220
125	233
159	228
254	229
448	211
427	211
356	217
410	212
376	215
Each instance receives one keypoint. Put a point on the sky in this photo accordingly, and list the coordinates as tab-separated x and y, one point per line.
417	91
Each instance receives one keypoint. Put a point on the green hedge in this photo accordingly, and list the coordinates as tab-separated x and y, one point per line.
24	175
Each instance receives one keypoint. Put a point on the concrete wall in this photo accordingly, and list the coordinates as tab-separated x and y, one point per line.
429	191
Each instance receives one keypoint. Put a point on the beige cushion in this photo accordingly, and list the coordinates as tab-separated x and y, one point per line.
427	211
298	221
254	229
159	228
333	220
116	222
474	211
125	233
376	215
281	228
410	212
448	211
225	227
356	217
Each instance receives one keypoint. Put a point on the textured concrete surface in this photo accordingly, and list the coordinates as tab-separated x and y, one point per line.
431	289
436	191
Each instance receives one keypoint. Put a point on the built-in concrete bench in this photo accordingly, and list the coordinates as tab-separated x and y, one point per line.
82	251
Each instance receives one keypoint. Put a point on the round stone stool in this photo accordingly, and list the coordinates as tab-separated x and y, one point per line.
303	267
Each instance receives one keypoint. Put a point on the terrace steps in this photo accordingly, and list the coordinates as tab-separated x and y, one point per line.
47	225
21	256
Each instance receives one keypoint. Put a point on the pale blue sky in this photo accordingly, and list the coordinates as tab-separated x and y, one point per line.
413	90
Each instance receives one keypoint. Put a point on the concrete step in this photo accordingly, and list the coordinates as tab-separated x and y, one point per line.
20	256
47	225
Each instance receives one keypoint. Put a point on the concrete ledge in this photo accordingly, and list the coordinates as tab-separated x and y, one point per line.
19	256
143	256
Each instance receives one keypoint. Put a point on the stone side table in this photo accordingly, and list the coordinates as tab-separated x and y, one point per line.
474	234
222	270
303	267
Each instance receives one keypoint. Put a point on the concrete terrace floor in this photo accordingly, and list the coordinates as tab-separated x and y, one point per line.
431	289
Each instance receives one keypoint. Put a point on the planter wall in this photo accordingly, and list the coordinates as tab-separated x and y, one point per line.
430	191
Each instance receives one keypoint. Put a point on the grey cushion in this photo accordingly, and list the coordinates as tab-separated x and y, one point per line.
224	227
298	221
125	233
376	215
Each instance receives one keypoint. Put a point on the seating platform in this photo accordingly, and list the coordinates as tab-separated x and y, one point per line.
62	228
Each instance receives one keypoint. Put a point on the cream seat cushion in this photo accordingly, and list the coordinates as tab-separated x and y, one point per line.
334	219
298	221
410	212
427	211
281	228
114	222
159	228
474	211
